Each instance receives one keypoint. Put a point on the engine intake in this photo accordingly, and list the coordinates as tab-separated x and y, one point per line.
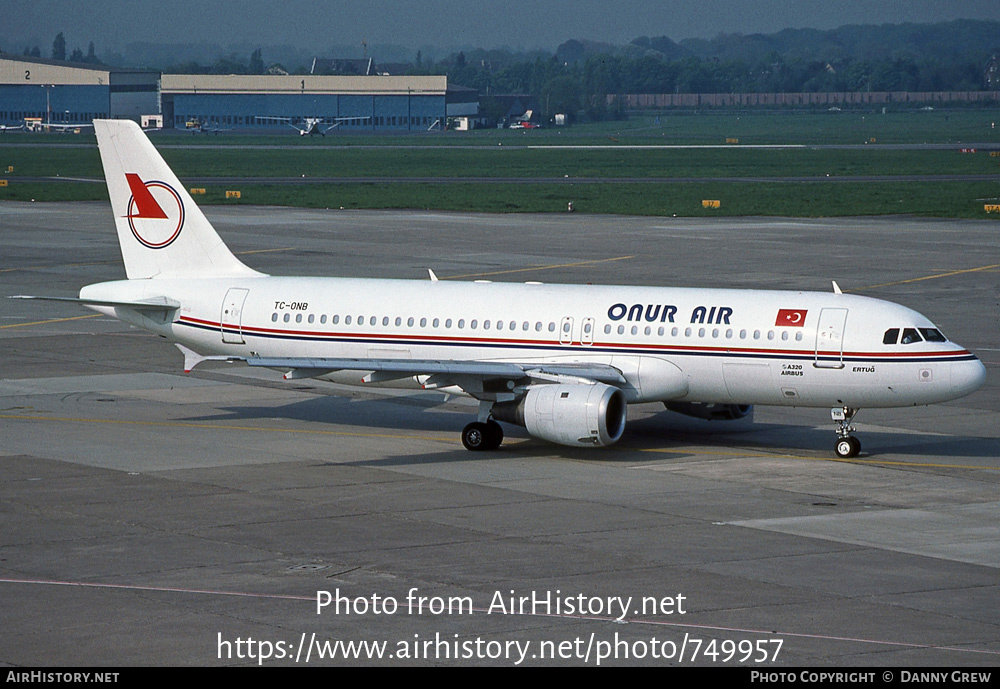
574	415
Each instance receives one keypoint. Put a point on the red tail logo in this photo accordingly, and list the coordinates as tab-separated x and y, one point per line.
155	212
144	201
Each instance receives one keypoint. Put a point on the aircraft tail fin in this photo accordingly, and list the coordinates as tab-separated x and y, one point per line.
162	232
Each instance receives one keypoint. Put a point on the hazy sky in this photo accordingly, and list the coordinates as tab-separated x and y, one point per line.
527	24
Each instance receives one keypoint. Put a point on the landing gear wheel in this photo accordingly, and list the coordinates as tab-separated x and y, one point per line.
848	447
475	436
482	436
494	435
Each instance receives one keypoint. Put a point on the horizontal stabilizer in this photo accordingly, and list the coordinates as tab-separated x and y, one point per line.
193	358
152	304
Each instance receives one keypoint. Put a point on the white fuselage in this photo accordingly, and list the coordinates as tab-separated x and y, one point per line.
671	344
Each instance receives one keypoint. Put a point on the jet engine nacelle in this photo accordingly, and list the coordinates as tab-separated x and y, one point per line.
575	415
711	412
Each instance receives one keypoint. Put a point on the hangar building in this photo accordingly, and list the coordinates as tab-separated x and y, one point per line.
269	101
73	92
76	93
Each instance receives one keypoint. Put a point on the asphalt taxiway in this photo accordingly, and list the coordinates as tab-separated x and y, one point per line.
156	518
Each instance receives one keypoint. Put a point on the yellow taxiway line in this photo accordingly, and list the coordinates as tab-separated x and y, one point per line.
220	427
854	460
535	268
927	277
51	320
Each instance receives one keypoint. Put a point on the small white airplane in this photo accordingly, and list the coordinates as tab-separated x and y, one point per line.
35	124
4	128
563	361
313	125
198	127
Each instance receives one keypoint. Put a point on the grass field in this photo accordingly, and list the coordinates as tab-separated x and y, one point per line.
605	179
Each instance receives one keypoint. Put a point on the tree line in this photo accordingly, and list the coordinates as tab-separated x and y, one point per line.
59	52
580	75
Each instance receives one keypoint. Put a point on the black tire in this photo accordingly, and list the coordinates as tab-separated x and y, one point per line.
847	447
476	436
494	434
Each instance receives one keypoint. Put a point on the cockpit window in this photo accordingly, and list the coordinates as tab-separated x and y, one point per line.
932	335
910	335
891	336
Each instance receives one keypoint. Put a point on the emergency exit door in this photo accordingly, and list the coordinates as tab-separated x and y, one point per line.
830	338
231	320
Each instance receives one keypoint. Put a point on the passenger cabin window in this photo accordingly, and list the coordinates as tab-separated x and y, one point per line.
891	336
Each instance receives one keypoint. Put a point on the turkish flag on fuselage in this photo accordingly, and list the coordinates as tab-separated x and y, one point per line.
791	318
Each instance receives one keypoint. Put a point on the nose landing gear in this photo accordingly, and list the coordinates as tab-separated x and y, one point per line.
847	445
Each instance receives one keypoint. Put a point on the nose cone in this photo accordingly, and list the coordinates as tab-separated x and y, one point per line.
967	377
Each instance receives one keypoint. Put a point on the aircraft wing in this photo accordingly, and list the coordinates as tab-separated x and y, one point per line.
337	121
67	127
480	379
314	366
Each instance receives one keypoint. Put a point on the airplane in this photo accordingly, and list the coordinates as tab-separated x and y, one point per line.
563	361
525	122
35	124
4	128
197	127
313	125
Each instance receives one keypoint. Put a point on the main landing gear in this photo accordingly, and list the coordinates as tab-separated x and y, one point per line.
480	435
847	445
